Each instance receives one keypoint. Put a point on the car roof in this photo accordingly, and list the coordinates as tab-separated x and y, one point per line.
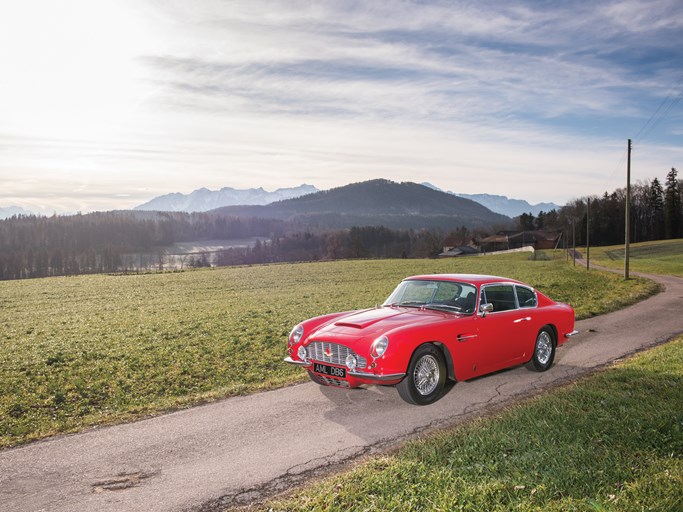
476	279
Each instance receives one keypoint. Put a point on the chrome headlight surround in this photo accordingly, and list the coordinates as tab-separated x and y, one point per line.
351	362
296	335
379	347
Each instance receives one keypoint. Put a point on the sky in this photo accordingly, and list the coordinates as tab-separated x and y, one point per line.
105	104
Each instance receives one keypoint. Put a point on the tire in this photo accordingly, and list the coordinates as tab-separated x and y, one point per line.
426	376
544	350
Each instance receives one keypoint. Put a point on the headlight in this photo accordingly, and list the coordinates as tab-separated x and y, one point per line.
296	334
302	353
351	362
379	347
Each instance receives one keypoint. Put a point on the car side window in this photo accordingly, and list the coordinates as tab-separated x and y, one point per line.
502	296
526	297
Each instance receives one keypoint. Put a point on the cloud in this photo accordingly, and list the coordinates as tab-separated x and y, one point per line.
411	61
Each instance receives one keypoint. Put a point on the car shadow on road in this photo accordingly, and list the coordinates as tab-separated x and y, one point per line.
382	405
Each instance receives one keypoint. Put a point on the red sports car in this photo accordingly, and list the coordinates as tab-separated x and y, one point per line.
433	328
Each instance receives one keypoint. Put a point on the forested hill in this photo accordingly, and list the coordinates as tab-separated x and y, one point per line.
377	202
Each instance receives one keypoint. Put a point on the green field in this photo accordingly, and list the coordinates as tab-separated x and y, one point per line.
662	257
611	442
81	351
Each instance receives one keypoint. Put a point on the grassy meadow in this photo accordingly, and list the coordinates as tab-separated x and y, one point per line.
610	442
661	257
87	350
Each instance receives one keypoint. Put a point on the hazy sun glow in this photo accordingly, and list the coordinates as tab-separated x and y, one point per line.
77	75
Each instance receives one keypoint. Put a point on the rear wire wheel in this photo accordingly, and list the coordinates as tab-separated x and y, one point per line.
426	376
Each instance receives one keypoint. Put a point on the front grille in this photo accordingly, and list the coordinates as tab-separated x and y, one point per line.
329	381
317	349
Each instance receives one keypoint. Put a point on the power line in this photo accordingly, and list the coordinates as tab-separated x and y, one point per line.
664	108
667	105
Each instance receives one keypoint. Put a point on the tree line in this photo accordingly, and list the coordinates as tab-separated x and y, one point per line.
35	246
357	242
656	213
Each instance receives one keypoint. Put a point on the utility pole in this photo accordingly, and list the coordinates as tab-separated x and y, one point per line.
627	231
588	234
574	240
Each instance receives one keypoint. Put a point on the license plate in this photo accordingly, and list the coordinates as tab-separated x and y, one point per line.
331	371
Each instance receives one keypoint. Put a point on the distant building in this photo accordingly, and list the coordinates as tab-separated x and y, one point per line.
451	249
505	240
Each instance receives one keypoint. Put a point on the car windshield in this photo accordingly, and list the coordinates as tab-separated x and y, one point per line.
441	295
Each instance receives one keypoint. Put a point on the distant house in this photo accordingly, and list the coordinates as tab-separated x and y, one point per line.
505	240
451	249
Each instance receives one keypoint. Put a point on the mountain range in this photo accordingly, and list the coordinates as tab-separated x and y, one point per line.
503	204
351	206
510	207
203	199
376	203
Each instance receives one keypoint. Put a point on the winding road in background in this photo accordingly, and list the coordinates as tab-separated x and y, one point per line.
242	449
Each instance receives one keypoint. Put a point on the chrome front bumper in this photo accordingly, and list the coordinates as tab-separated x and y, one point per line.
297	363
570	334
355	373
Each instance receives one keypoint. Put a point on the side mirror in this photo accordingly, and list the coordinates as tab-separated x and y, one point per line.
485	308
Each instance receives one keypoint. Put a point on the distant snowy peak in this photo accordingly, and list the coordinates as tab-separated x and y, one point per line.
203	199
510	207
503	204
11	211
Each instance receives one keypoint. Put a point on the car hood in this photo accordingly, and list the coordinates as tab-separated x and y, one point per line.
369	324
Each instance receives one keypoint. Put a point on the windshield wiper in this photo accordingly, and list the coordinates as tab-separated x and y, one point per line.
407	304
443	307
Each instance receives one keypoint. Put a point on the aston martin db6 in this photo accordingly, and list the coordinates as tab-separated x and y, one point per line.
431	329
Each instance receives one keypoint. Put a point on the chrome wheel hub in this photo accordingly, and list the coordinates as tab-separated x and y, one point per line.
544	348
426	375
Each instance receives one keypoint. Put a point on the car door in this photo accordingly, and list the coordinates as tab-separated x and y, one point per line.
502	331
528	319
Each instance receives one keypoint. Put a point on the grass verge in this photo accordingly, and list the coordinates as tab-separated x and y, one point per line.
664	257
89	350
610	442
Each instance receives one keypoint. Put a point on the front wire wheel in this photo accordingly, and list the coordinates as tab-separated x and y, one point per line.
426	377
544	351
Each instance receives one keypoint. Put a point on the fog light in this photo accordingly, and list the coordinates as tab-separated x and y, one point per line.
303	355
351	362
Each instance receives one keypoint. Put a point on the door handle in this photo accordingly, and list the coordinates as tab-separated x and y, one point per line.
465	337
525	319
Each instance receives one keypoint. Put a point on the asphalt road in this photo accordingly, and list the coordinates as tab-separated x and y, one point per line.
240	449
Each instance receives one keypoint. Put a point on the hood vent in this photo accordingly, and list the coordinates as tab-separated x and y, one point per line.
367	318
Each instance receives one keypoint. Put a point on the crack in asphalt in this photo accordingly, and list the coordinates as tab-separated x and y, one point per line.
290	478
123	481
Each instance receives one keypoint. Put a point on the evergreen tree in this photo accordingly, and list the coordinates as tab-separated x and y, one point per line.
655	208
673	214
526	221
